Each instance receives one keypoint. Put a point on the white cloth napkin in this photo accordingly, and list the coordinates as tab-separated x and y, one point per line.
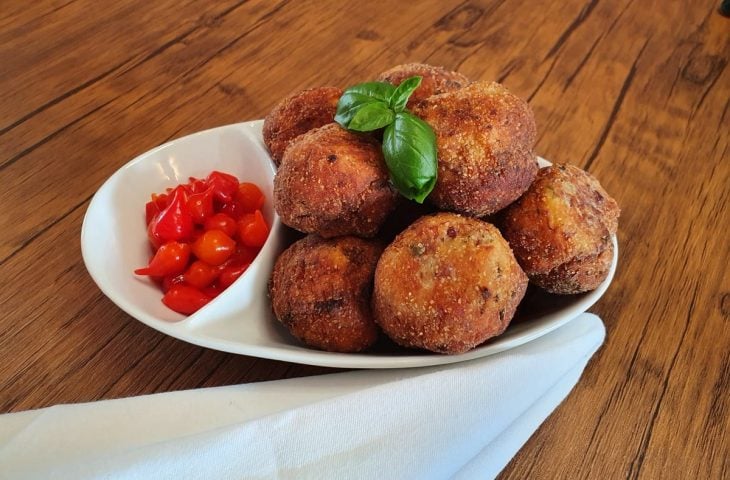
461	421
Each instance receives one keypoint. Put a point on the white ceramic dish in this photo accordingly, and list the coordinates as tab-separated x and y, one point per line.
114	242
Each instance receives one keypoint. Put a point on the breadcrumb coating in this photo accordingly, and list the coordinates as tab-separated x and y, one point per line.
298	114
446	284
485	136
320	290
560	230
434	80
334	182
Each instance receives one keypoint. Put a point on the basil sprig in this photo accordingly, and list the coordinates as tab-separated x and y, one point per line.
409	144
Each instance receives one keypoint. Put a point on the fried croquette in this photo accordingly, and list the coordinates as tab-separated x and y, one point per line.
298	114
334	182
446	284
320	290
485	136
434	80
560	230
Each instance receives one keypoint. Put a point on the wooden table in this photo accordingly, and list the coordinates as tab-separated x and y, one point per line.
636	93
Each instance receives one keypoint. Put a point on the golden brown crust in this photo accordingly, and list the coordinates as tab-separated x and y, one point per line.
560	230
565	214
298	114
320	290
435	80
446	284
485	136
333	182
577	275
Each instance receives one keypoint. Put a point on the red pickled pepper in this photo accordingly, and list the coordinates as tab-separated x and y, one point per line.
253	229
200	205
157	204
222	222
196	185
185	299
151	210
199	274
243	254
173	223
250	197
169	280
246	199
230	274
224	185
160	200
212	290
170	259
214	247
233	209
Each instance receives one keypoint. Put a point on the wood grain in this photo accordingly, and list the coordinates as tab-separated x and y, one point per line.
636	92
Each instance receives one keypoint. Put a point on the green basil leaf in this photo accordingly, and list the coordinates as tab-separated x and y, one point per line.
409	148
403	92
371	116
358	95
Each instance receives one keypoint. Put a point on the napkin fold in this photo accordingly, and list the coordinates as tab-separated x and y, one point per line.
464	420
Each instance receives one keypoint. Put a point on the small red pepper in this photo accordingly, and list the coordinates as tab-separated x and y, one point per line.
212	290
250	197
223	222
151	210
174	222
170	280
244	254
185	299
233	209
160	200
199	274
170	259
252	229
197	185
224	185
230	274
214	247
201	205
197	233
